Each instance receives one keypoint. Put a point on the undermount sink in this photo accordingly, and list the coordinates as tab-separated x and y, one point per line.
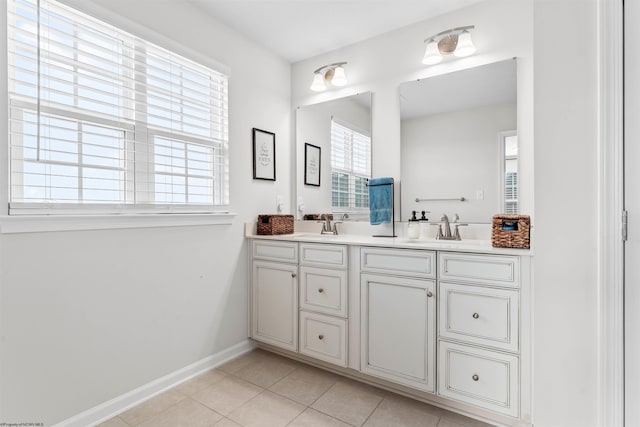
314	236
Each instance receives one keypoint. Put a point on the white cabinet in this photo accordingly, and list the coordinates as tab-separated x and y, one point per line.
323	337
398	322
479	330
274	296
483	378
323	302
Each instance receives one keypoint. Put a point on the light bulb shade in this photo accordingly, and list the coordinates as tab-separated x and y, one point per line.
432	54
318	83
465	45
339	77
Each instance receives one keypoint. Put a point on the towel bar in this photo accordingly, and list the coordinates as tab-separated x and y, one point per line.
461	199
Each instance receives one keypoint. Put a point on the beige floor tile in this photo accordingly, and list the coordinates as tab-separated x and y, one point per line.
267	410
200	382
401	411
304	385
313	418
226	422
349	401
452	419
186	413
151	407
267	370
113	422
240	362
227	394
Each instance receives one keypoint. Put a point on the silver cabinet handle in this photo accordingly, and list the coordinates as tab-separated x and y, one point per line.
475	377
320	337
429	294
476	315
320	290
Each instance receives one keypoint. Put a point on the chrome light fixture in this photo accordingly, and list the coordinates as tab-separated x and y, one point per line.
456	40
332	74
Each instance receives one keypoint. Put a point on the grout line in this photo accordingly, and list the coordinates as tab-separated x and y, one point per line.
374	410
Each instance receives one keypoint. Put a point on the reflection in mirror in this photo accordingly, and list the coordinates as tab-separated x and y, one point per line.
459	140
341	128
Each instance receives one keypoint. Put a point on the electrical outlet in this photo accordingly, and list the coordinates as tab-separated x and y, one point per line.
279	203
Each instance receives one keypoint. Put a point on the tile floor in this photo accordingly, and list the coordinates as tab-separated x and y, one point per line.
264	389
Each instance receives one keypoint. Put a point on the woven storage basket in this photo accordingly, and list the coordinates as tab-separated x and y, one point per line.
275	224
510	231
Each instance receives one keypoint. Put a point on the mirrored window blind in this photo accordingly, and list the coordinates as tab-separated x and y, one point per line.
510	149
103	120
350	167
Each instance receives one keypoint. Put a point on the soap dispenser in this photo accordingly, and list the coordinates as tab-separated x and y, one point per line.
413	228
424	225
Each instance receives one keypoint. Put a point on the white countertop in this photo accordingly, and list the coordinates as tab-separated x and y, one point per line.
475	246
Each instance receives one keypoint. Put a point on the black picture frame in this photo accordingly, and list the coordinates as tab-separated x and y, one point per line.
264	155
312	163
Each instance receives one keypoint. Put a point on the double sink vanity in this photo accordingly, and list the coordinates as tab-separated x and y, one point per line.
441	321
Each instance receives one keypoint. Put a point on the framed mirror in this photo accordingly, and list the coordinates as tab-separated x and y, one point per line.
459	150
338	133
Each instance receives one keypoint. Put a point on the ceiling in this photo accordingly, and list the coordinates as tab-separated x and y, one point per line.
301	29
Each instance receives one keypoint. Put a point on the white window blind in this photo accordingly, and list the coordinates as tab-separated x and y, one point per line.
101	119
510	169
350	167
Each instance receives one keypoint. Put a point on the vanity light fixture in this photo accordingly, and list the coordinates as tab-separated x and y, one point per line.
456	40
332	74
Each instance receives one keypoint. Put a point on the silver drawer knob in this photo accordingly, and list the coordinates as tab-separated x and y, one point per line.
320	337
320	290
475	377
476	315
293	274
429	294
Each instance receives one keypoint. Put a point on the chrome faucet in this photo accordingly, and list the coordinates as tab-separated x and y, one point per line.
328	227
446	234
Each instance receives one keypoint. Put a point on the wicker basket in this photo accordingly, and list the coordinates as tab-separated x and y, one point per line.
269	225
510	231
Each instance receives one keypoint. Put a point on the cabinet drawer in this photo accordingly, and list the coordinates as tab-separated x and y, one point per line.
323	290
479	377
275	251
487	269
484	316
323	337
404	262
322	255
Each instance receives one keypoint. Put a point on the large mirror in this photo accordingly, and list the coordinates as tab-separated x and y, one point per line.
459	149
333	160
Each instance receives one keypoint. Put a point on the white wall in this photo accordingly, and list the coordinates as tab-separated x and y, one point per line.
89	315
313	126
452	155
566	127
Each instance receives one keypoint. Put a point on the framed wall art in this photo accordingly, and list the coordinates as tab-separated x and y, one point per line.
312	165
264	155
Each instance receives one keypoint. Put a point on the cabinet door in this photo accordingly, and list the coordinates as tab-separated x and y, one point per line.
274	296
398	330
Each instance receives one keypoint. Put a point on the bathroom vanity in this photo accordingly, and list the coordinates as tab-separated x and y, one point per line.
444	322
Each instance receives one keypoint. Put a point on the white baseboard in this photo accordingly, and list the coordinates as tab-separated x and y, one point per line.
117	405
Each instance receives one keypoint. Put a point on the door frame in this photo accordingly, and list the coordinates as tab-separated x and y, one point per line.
611	205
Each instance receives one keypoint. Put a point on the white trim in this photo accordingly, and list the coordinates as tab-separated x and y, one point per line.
44	223
611	203
119	404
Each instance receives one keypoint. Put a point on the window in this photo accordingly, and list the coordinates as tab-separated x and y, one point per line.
101	119
509	142
350	168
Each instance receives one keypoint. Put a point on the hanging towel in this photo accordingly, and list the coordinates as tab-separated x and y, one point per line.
381	200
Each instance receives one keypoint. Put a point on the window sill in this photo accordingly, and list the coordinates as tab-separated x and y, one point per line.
46	223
